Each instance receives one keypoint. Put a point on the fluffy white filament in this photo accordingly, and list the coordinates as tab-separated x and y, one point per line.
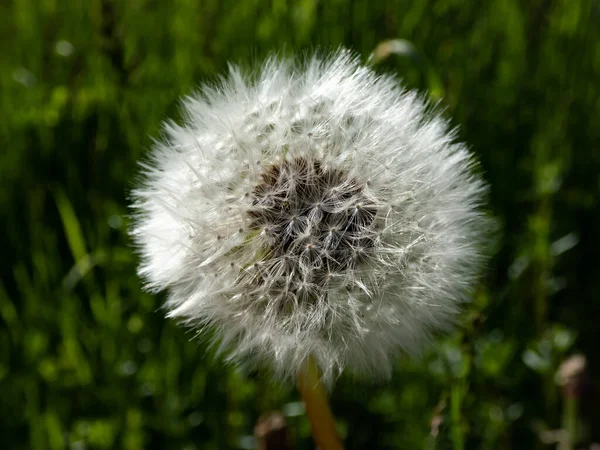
311	208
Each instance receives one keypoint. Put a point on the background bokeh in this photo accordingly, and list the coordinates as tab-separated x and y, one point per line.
87	360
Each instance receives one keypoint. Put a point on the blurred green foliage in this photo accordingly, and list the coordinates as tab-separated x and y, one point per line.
87	359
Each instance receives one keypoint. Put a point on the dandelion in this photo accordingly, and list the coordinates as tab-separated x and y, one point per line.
312	213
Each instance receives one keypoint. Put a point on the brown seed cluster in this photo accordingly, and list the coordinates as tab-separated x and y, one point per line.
317	218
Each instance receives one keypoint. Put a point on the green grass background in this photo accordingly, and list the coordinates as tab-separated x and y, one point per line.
87	360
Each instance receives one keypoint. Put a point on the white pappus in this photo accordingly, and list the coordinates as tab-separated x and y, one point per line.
311	208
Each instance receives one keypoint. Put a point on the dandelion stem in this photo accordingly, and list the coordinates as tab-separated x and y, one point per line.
321	419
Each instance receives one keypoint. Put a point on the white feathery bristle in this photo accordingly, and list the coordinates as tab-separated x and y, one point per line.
312	208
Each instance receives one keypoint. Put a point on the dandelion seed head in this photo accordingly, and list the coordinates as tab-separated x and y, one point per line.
312	208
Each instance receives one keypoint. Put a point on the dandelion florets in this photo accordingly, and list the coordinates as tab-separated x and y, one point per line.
311	209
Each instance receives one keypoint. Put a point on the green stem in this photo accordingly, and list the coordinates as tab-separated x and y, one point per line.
458	440
570	420
317	408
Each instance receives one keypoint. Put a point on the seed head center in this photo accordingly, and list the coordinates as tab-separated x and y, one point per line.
316	217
